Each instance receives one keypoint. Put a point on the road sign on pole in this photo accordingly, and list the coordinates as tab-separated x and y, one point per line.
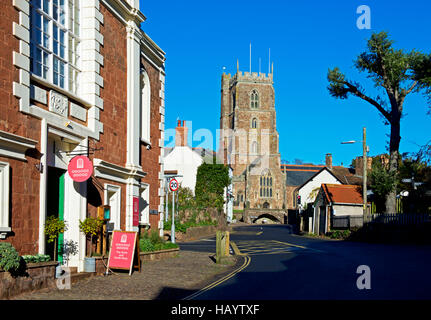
173	185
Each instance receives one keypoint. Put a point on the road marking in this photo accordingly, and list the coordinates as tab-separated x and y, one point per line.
256	247
247	261
298	246
259	233
235	249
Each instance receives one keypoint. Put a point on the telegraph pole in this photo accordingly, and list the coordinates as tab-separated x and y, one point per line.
364	178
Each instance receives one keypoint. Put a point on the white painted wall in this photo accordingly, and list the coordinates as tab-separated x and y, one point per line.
186	162
347	210
316	182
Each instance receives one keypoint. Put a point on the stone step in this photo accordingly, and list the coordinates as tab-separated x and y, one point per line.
75	277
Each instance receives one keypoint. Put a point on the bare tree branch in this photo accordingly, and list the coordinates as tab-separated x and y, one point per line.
354	90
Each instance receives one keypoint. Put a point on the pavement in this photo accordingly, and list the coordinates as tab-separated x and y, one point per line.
169	279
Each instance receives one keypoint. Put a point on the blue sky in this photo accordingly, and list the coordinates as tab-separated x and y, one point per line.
306	38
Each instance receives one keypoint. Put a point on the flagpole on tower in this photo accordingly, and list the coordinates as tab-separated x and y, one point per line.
250	57
269	62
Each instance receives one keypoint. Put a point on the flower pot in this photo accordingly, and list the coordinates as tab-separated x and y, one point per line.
58	271
89	264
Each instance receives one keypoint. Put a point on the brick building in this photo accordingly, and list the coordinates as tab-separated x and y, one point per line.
78	77
249	140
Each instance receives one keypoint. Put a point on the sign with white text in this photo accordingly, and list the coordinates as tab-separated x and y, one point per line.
80	168
124	250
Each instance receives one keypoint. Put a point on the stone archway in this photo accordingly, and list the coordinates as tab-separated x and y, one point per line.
267	219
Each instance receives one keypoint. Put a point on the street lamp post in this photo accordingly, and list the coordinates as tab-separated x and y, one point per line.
364	174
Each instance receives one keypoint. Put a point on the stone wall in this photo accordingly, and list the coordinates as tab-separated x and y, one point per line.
37	276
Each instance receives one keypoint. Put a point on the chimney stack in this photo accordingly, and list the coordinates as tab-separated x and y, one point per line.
359	165
181	133
329	161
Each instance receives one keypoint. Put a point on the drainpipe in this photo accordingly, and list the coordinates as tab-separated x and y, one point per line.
43	184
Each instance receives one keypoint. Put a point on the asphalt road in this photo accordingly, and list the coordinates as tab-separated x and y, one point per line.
279	265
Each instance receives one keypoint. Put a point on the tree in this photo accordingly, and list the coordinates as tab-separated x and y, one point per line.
211	179
185	198
381	182
91	227
53	227
398	74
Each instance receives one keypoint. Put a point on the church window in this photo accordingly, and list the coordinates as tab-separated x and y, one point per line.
254	123
254	147
254	100
266	185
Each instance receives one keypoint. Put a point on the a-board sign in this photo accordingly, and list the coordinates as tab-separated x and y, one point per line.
124	251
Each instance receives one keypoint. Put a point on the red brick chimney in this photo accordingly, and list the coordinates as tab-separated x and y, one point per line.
329	161
181	132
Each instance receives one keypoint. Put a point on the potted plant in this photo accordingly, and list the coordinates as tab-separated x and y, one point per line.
90	227
53	227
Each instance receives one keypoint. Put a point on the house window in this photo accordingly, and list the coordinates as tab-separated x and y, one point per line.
254	100
254	123
4	199
266	186
145	106
144	205
54	40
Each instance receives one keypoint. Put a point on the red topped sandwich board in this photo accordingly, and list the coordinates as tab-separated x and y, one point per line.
123	251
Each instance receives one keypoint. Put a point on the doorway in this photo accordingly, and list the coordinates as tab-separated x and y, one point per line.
55	207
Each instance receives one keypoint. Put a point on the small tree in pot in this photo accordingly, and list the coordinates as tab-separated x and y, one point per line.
53	227
91	227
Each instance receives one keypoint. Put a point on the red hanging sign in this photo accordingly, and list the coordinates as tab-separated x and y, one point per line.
80	168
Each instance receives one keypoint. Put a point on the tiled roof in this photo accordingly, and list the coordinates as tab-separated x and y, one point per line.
297	175
341	193
346	175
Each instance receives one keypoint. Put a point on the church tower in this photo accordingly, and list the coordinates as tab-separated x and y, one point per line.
249	140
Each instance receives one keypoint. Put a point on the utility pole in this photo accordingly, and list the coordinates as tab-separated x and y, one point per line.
364	178
364	172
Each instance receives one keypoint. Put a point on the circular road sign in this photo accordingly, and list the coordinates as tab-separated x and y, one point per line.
173	185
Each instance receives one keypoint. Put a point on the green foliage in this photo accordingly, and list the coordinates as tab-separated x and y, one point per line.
382	182
53	227
91	226
182	227
211	179
417	200
185	198
145	245
9	257
340	234
36	258
396	73
153	242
